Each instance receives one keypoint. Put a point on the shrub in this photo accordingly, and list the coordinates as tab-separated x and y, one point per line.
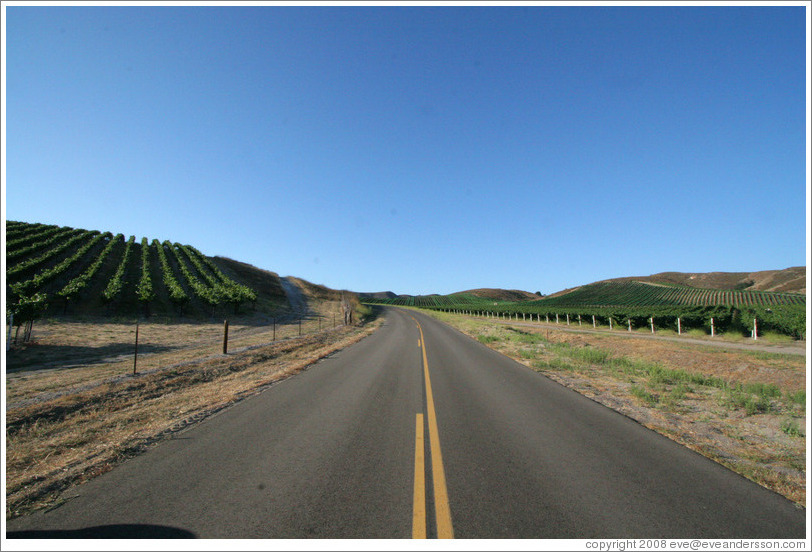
791	428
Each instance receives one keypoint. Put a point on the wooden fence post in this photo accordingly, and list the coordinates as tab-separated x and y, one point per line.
713	332
755	329
679	326
225	337
135	357
593	322
652	324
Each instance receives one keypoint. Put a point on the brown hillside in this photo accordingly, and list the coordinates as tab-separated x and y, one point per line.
788	280
264	282
316	291
271	294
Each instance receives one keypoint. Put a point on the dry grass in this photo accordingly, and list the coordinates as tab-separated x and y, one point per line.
745	410
67	355
66	424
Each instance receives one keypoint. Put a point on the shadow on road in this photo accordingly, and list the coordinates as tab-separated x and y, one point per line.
107	532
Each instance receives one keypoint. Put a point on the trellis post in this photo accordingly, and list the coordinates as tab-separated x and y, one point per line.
135	357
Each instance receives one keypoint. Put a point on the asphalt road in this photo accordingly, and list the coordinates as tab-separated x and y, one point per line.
418	430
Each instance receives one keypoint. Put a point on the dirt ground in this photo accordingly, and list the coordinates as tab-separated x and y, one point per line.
67	354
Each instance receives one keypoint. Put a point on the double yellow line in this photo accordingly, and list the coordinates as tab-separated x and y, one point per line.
442	510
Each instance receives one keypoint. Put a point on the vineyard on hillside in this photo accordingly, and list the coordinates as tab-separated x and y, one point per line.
60	269
610	294
635	304
457	300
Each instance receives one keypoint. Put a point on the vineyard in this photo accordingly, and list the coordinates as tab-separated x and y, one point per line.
60	269
635	304
455	301
608	294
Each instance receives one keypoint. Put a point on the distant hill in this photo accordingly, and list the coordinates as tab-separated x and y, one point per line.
634	293
788	280
378	295
502	294
469	296
666	297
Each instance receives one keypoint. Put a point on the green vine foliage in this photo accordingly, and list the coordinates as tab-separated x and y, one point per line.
144	291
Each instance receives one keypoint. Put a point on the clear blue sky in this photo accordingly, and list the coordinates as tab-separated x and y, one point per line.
419	149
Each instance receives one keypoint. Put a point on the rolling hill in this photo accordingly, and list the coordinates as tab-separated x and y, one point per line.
632	292
491	294
61	270
629	301
502	294
788	280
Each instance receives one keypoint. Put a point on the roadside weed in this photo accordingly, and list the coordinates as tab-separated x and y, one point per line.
645	396
791	428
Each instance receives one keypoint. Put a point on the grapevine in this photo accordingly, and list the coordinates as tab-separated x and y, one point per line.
144	290
176	293
75	286
44	276
21	267
32	241
208	294
116	283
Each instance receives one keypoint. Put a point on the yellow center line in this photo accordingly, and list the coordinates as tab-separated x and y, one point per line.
419	514
442	509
